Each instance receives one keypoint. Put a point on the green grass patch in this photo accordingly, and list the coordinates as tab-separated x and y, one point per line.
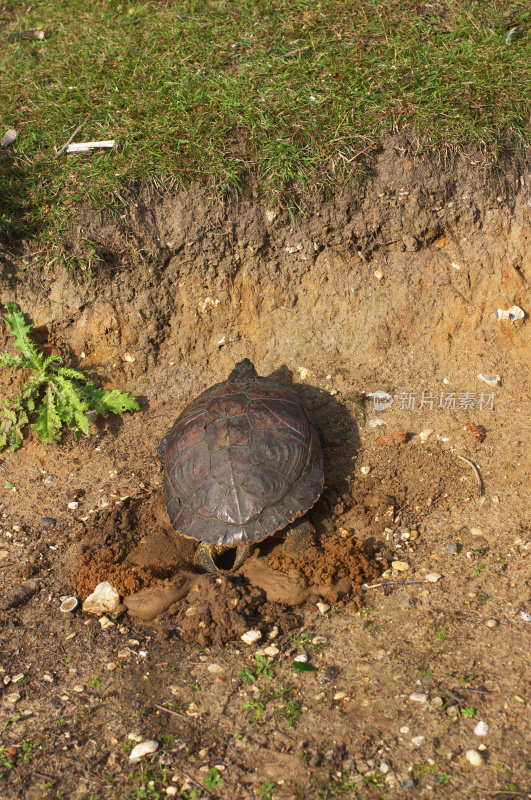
290	91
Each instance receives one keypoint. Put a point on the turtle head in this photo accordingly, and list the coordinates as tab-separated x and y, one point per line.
243	371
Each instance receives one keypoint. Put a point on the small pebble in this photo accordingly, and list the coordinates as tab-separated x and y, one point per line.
409	783
271	650
48	521
171	791
273	633
482	747
404	729
74	504
433	577
437	702
417	740
215	669
105	623
384	767
474	758
491	623
425	435
251	636
525	616
340	695
319	640
365	470
401	566
418	697
323	607
14	697
450	549
481	729
143	749
70	604
476	531
301	658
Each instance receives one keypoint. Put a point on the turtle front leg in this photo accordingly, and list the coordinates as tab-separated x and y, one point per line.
204	556
207	552
243	551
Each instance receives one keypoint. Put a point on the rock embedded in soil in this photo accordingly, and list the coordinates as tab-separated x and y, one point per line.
474	757
481	729
104	599
143	749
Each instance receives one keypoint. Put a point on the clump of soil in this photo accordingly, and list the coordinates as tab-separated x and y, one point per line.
220	608
336	558
107	564
153	569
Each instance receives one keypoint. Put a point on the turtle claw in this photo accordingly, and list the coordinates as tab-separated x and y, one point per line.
204	557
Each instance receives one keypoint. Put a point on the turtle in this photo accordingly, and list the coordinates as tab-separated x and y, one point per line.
241	462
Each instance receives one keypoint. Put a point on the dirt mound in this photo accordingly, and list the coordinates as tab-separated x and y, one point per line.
153	569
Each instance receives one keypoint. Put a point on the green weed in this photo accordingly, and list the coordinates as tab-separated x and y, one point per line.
57	395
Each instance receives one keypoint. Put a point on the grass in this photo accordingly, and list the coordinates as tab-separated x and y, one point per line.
289	91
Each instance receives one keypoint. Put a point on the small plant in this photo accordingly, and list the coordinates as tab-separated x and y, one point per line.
194	686
9	722
264	668
366	611
266	790
95	682
303	639
212	779
247	675
58	395
478	569
442	635
468	712
254	708
441	777
291	713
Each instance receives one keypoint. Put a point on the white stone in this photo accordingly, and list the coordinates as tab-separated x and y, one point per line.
418	697
142	749
365	470
250	637
302	658
481	729
340	696
171	791
433	577
271	650
474	758
319	640
425	434
404	729
400	566
491	623
74	504
323	607
384	767
417	740
70	604
103	599
215	669
105	623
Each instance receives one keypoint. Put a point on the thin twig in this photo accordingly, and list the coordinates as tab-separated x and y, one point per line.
169	711
477	691
63	148
481	488
293	52
395	583
193	780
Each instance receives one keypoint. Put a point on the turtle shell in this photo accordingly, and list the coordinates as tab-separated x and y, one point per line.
242	461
